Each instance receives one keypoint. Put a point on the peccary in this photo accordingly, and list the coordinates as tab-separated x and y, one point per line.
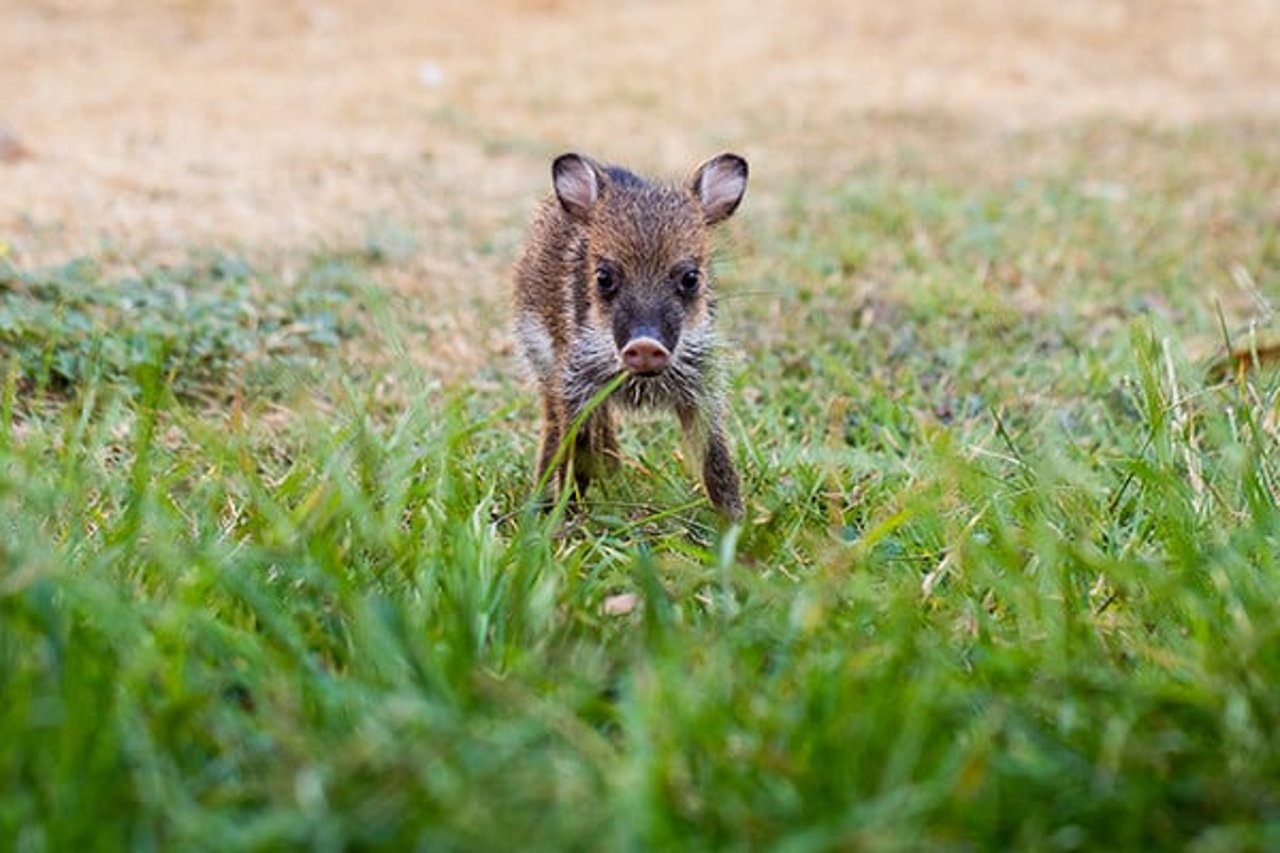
614	278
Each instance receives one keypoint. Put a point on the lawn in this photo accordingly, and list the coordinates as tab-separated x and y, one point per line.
1010	574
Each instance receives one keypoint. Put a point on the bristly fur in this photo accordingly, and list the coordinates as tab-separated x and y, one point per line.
691	381
615	270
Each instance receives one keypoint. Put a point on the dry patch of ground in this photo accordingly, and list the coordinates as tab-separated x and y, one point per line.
269	125
138	130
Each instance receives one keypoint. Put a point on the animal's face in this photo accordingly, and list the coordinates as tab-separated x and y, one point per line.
647	251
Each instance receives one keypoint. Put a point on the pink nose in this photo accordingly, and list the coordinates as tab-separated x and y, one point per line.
645	355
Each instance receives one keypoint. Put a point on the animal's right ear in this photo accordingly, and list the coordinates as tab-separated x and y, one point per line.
577	183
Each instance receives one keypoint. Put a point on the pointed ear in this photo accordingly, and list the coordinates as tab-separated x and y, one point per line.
577	182
718	185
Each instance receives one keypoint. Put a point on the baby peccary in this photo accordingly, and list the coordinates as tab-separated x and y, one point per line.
614	278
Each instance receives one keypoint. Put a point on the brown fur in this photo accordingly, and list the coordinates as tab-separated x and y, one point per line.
615	262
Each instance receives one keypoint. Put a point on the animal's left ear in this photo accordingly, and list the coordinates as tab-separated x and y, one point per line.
719	185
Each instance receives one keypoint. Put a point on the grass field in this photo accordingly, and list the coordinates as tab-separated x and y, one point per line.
1009	577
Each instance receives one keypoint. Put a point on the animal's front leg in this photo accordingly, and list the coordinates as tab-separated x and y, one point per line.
553	432
705	433
596	448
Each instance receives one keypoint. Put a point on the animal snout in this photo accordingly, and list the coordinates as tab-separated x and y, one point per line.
645	356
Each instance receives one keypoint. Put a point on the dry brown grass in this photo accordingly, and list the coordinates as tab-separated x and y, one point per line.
271	129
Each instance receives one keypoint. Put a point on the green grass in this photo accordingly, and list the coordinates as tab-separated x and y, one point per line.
1010	577
214	326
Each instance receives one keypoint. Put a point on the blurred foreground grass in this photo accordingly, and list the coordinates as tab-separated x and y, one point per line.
1011	575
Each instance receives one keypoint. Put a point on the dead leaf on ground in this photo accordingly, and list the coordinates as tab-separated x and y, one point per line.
11	148
1249	356
621	604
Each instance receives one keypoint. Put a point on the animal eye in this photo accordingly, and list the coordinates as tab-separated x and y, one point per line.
605	282
689	282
